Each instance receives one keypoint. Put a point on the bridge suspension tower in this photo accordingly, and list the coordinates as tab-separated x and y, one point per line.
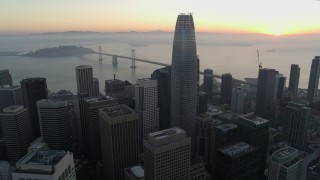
133	57
100	55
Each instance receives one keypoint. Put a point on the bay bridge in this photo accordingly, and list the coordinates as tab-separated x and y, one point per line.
134	59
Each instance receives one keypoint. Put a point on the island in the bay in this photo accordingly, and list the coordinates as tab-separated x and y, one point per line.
60	51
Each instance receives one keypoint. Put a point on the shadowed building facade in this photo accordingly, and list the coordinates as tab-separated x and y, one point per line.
184	75
294	80
314	79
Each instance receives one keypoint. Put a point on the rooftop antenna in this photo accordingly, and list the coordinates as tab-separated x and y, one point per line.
259	63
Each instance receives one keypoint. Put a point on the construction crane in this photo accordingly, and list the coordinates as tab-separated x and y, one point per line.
259	63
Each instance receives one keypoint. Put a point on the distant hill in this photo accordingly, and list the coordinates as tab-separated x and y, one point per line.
60	51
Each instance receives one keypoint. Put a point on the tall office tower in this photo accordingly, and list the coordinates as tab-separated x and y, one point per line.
5	170
184	76
314	79
17	131
55	123
238	99
5	78
226	88
225	134
265	92
91	127
163	76
294	80
80	120
119	128
96	91
208	82
146	98
122	90
237	161
296	123
285	164
203	102
85	79
204	138
10	95
254	130
34	89
46	165
280	84
167	154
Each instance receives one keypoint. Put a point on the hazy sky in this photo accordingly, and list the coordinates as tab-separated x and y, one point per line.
275	17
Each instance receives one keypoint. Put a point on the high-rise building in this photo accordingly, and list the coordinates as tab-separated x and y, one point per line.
184	76
208	82
265	92
34	89
167	154
280	84
296	123
80	120
294	80
55	123
146	98
203	102
91	126
226	88
314	79
285	164
96	91
163	76
46	165
122	90
119	128
237	161
5	78
17	131
254	130
84	77
10	95
238	99
204	138
225	134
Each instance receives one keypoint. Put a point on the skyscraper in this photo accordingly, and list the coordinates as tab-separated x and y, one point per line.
254	130
96	91
184	76
294	80
55	123
265	92
119	128
238	99
34	89
146	98
208	82
280	84
10	95
84	77
296	123
17	131
314	79
203	102
163	76
5	78
226	88
285	164
91	126
167	154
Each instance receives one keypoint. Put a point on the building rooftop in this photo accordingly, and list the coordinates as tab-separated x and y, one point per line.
253	119
136	171
146	82
166	136
285	153
83	67
6	87
236	149
226	127
52	103
292	162
98	99
13	109
118	110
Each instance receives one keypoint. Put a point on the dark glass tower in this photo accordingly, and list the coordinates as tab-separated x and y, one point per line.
34	89
294	80
184	76
265	92
314	79
163	76
226	88
208	82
